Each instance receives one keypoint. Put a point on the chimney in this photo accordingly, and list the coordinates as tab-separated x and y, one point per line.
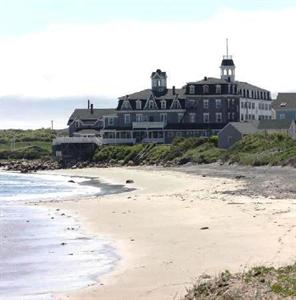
91	108
174	90
205	78
88	104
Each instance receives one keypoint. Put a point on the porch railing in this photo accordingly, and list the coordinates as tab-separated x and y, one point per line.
148	125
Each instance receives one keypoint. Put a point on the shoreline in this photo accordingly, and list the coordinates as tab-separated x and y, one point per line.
157	229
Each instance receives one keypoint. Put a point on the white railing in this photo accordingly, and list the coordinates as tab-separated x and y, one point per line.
146	125
118	141
77	140
153	141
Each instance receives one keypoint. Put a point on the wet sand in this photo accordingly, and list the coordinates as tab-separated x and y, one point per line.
179	224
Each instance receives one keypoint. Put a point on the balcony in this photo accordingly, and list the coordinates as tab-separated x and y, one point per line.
153	141
112	141
149	125
77	140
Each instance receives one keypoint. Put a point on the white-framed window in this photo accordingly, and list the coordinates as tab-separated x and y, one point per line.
206	89
192	117
138	104
282	116
180	117
233	116
218	89
242	117
192	89
206	118
218	103
206	104
127	119
139	118
151	104
163	104
218	117
163	117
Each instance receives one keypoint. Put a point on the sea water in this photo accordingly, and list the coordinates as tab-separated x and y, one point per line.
43	251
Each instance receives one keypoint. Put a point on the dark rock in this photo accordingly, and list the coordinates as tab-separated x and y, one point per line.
128	181
204	228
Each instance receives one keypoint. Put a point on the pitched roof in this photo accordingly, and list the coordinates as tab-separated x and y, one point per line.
257	126
144	94
245	128
246	85
240	84
285	101
210	80
274	124
85	114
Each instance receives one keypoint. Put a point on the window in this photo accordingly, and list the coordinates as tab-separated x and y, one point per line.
253	105
192	89
206	118
242	117
180	116
192	117
163	104
218	103
242	105
233	116
205	89
126	105
77	124
139	104
218	89
163	118
206	104
110	121
233	101
282	116
151	104
127	119
219	117
139	118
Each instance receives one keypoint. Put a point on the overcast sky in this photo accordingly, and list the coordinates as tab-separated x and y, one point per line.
55	54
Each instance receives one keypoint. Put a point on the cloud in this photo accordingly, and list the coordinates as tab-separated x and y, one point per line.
114	59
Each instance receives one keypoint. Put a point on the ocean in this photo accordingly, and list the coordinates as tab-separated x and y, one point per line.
43	251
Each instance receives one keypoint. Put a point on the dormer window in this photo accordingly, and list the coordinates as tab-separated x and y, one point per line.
126	105
139	104
163	104
218	89
151	104
205	89
192	89
77	124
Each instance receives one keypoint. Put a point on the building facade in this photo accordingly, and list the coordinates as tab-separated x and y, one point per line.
284	107
200	108
160	114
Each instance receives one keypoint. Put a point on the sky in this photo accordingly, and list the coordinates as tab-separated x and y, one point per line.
56	54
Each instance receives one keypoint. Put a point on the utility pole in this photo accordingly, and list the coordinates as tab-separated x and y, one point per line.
13	143
52	125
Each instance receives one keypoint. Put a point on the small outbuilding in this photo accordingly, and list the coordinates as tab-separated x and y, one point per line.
235	131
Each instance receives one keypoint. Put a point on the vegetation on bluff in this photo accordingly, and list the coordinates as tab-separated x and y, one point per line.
26	144
258	283
254	150
181	151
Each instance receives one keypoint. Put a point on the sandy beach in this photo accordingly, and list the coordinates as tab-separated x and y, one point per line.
177	225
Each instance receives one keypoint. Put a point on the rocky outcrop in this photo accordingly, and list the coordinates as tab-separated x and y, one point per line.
29	166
